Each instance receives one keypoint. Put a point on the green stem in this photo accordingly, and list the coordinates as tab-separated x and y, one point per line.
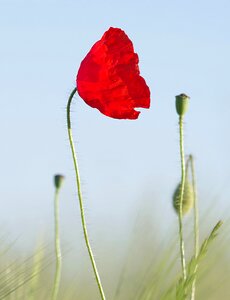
180	215
57	247
196	223
78	182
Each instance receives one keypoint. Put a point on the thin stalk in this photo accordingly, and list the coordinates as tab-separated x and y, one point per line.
37	263
57	246
78	183
196	223
180	215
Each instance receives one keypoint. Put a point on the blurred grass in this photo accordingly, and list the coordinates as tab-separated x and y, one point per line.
150	270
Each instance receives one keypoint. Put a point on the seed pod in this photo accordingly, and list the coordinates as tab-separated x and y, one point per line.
187	202
58	180
182	102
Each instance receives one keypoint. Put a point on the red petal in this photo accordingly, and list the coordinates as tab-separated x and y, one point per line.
108	78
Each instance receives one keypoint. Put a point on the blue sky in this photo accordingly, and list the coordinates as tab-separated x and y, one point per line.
183	46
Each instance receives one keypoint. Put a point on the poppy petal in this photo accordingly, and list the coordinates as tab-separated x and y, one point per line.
109	78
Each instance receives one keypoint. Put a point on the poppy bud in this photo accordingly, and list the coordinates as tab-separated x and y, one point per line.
187	202
58	180
182	101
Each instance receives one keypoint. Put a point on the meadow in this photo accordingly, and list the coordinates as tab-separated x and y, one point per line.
147	267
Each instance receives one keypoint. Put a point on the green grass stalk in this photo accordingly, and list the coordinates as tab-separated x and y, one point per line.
196	223
78	183
37	265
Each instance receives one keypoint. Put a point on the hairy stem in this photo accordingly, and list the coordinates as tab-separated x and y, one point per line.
57	247
180	215
78	183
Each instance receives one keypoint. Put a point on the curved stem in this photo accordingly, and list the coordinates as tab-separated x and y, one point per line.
180	215
196	223
78	182
57	247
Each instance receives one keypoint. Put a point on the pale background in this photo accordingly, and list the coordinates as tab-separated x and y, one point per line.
125	166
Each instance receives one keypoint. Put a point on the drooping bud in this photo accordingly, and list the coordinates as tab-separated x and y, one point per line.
182	102
187	202
58	180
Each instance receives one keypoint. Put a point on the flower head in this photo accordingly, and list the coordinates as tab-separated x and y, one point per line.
58	180
109	78
187	202
182	102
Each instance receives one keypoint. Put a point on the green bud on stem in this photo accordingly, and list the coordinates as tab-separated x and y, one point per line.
58	180
182	102
187	202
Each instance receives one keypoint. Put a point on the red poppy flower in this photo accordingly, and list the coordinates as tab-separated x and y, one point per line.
109	78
